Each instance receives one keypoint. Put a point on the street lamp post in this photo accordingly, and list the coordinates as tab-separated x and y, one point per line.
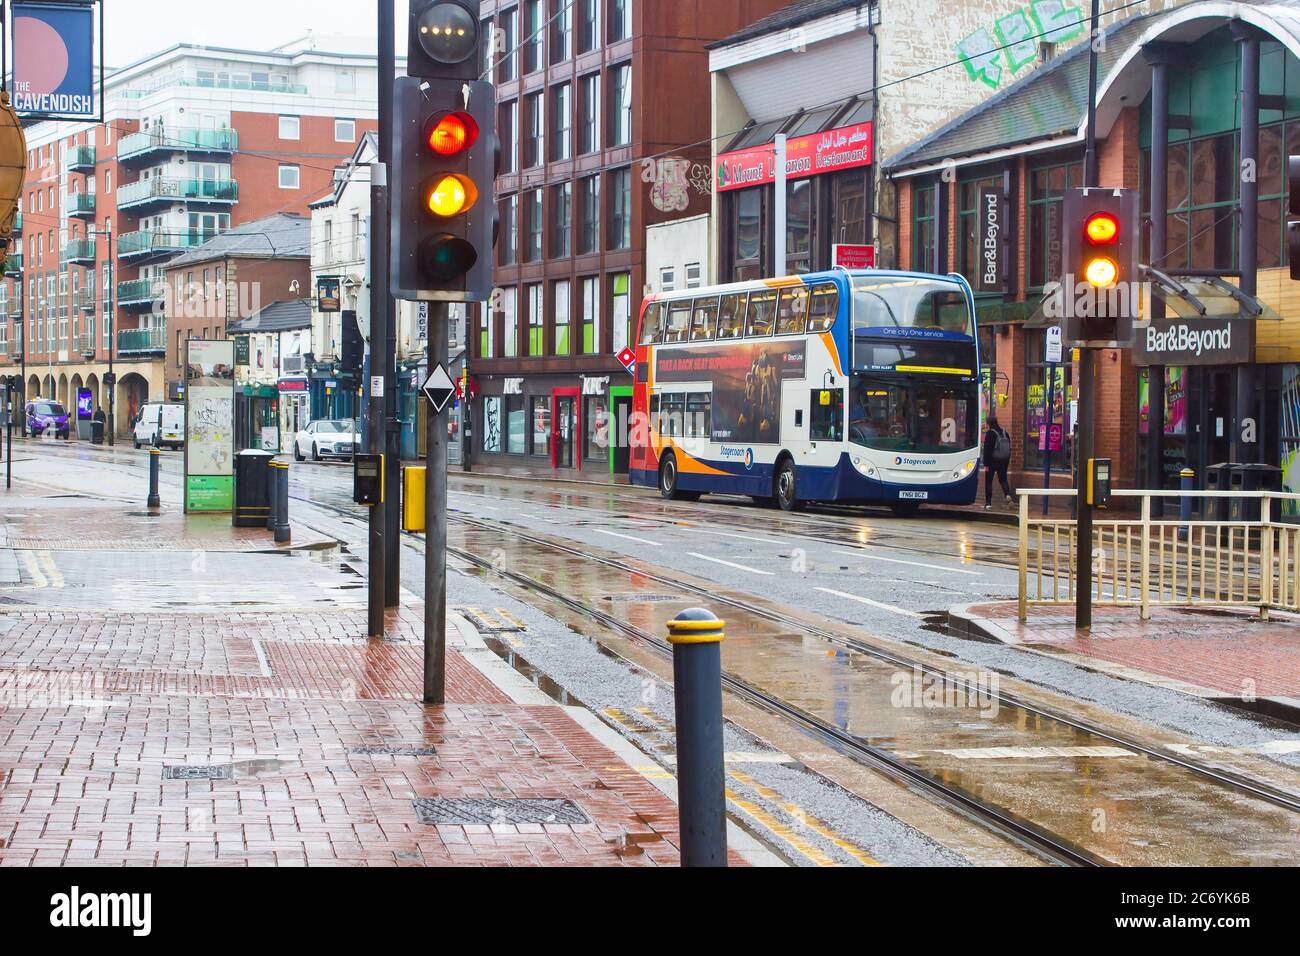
110	379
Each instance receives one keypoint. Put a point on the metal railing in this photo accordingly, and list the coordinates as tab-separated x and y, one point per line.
79	204
80	157
178	140
1249	559
141	340
160	188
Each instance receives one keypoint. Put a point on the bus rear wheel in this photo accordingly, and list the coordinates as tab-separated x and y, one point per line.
668	486
784	486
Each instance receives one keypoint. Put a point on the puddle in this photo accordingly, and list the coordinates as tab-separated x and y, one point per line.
543	683
1267	712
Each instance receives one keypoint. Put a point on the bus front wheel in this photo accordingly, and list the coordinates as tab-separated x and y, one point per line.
668	486
784	486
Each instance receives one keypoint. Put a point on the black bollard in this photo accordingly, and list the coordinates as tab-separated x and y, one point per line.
155	459
272	498
1187	483
696	636
281	497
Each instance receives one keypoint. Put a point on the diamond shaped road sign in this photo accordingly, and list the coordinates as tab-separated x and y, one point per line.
438	388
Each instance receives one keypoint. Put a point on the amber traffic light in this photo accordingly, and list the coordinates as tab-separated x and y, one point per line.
1101	281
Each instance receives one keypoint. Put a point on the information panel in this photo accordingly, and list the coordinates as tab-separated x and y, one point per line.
209	425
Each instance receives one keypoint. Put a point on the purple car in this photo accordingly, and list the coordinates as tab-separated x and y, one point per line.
43	415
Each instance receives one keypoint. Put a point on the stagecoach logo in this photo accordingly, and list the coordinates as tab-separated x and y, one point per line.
746	454
914	462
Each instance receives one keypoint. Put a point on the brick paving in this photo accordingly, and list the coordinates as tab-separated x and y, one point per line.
1221	650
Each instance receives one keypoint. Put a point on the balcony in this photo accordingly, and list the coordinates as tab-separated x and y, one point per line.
152	143
162	190
139	293
149	243
84	299
79	252
84	344
15	308
81	159
225	83
141	342
14	264
80	205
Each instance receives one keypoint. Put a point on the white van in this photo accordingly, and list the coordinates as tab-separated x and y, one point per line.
160	424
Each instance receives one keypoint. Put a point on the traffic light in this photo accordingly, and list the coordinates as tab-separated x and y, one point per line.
1102	283
1293	210
445	151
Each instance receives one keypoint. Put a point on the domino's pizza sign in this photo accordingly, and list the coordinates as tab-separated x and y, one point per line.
627	359
53	59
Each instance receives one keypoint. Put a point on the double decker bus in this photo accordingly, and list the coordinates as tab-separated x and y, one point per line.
849	386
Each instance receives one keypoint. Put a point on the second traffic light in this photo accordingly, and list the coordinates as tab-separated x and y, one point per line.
1100	264
443	211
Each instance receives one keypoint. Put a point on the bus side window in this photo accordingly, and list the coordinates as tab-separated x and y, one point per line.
654	415
792	311
731	316
823	308
672	408
827	419
679	321
761	313
706	318
650	323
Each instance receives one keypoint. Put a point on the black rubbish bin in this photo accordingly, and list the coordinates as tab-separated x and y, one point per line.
1255	478
1217	478
97	433
252	488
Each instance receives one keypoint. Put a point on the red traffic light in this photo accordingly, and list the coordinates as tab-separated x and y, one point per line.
1102	229
453	133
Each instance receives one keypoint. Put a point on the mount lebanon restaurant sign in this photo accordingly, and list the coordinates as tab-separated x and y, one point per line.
812	155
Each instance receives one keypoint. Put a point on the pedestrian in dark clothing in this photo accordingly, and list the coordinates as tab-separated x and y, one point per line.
99	414
997	456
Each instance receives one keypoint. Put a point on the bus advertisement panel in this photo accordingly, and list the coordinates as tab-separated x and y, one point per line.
747	380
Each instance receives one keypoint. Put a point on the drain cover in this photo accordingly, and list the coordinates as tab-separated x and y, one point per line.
198	772
396	751
466	812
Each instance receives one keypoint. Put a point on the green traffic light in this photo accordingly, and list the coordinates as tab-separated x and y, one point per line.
445	257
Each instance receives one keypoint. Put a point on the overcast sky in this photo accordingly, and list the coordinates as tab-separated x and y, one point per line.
133	29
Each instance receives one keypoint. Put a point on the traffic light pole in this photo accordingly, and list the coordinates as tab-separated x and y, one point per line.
375	424
435	509
381	213
1087	388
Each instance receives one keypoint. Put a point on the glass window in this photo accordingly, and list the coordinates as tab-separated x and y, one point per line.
672	407
621	310
588	24
534	145
510	322
533	249
826	421
589	113
589	233
596	415
620	20
534	34
792	311
290	127
561	121
541	425
492	425
731	316
620	233
507	36
509	237
485	327
747	237
698	423
563	317
508	133
516	422
824	308
761	313
561	30
800	226
536	328
650	323
882	305
620	105
289	177
928	416
345	131
561	220
705	319
679	321
968	196
591	315
1037	411
1047	186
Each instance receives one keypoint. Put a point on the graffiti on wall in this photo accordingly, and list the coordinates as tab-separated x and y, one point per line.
994	54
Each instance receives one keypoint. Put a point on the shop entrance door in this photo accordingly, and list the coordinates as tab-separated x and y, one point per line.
1216	412
564	427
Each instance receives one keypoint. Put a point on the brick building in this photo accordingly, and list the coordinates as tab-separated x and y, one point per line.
588	91
1188	72
195	140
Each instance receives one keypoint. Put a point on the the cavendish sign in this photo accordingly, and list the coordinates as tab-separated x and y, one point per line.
54	60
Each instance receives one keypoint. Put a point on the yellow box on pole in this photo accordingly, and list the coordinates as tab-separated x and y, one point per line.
413	516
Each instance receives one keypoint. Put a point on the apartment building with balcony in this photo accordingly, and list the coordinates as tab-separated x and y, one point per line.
604	119
196	141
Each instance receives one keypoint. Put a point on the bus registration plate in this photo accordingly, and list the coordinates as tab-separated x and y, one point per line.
914	495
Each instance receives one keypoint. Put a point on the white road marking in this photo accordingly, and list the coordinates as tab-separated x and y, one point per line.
914	564
877	604
730	564
1026	753
262	662
33	570
628	537
1268	747
47	561
728	534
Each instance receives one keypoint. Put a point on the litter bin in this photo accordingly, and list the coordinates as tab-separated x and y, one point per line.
97	433
1217	478
252	488
1254	478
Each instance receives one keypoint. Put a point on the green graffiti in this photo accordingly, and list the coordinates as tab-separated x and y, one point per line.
980	55
1012	44
1016	37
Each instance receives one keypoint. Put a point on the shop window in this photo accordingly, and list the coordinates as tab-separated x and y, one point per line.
801	225
595	415
540	417
1037	413
747	235
516	434
849	191
492	425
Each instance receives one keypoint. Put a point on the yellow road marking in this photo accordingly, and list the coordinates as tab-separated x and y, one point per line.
655	719
777	828
814	824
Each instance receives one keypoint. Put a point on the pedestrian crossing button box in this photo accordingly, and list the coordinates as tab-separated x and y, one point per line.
368	480
1099	482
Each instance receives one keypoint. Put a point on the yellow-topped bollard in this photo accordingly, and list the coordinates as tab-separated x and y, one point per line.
696	636
155	457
